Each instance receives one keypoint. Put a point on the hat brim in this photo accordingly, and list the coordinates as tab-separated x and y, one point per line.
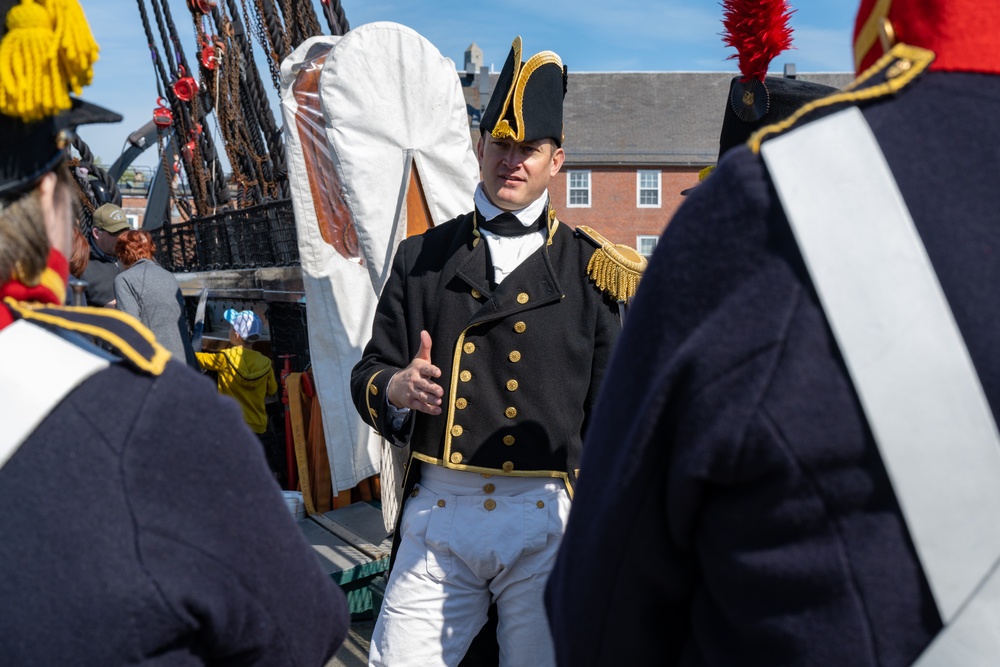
34	149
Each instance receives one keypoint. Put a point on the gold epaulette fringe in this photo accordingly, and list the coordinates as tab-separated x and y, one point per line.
614	268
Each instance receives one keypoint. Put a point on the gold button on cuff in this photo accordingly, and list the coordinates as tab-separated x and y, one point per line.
461	403
465	376
489	488
469	348
522	298
490	504
508	440
486	475
510	412
540	504
511	385
476	294
374	390
441	503
520	327
413	494
456	430
514	356
456	457
508	466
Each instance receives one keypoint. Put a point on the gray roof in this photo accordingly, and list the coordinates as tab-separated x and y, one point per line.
664	118
644	118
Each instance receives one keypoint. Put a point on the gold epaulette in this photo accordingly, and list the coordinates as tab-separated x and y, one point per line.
891	73
614	268
124	334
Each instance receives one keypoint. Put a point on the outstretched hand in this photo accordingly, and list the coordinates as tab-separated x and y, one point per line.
414	386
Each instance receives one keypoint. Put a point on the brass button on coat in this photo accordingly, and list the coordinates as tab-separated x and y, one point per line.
490	504
489	488
469	348
510	412
514	356
520	327
456	457
374	390
456	430
540	504
508	440
508	466
511	385
441	503
486	475
461	403
465	376
522	298
476	293
414	493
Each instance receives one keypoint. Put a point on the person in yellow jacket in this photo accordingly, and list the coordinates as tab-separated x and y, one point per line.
243	373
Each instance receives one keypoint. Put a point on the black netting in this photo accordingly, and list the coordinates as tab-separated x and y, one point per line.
248	238
289	335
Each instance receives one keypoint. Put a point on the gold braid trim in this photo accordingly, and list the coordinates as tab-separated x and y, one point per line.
614	268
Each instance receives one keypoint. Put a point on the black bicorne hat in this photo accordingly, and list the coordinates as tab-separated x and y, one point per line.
527	102
752	104
29	149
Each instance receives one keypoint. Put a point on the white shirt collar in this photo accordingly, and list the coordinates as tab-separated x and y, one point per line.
527	215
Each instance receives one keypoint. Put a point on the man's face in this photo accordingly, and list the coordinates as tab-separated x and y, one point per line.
105	241
517	173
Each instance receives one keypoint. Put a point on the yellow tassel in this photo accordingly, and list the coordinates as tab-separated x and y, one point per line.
30	85
48	50
616	269
77	48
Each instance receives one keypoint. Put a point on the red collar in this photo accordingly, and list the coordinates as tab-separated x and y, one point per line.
51	287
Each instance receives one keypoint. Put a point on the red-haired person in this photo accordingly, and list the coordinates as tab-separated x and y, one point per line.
150	293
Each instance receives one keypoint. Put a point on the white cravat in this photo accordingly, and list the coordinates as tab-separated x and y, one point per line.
507	252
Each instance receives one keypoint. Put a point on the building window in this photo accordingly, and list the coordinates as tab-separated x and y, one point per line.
646	245
133	220
648	191
578	192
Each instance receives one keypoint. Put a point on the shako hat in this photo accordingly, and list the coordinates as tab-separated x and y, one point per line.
527	101
759	31
46	52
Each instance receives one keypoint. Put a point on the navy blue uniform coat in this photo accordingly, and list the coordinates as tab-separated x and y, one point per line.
732	507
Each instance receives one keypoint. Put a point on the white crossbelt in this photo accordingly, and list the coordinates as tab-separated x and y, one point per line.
909	365
37	370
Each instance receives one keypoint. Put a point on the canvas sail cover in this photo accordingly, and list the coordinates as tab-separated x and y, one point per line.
369	117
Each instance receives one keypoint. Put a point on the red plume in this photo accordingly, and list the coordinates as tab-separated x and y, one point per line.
758	30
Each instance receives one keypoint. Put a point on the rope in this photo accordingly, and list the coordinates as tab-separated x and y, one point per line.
335	18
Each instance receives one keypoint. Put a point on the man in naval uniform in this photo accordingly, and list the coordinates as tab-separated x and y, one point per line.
489	343
735	506
149	531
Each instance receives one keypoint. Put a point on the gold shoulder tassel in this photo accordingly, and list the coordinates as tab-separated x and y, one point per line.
614	268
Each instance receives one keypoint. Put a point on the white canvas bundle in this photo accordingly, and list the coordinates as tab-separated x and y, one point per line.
389	101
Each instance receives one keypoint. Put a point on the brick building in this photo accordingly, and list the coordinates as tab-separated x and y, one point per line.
633	141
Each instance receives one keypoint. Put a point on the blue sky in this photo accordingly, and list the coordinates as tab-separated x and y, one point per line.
616	35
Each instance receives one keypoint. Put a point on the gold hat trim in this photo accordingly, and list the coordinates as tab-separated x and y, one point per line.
521	77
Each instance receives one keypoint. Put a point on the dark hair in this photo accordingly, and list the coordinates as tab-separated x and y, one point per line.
133	245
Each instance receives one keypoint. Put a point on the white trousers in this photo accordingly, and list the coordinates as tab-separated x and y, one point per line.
467	539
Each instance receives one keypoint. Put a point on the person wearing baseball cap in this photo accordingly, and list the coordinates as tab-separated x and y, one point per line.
128	443
103	267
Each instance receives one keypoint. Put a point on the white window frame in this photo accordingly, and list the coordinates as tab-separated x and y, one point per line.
570	190
646	237
639	188
133	220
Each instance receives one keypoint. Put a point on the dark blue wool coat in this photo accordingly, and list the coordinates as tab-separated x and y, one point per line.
140	525
732	507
